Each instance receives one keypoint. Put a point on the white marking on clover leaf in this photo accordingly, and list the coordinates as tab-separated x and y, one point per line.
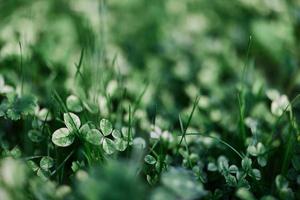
105	127
256	174
83	131
46	163
262	161
63	137
44	115
74	104
72	121
272	94
246	163
279	105
116	134
120	144
252	150
150	159
94	137
212	167
108	146
233	169
139	143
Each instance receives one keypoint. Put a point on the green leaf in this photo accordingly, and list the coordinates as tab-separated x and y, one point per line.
108	146
74	104
279	105
231	180
281	182
76	165
46	163
72	121
44	115
63	137
233	169
262	161
84	130
246	164
105	127
252	150
4	88
43	174
16	152
150	159
255	173
120	144
223	164
116	134
139	143
244	194
35	135
94	137
212	167
32	165
16	107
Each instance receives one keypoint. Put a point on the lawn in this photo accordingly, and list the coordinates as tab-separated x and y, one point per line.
149	99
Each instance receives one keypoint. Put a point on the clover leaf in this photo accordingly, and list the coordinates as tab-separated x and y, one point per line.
74	104
72	121
63	137
150	159
94	136
108	146
35	135
105	127
120	144
44	114
46	163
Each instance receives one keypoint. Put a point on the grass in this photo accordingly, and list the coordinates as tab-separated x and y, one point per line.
97	100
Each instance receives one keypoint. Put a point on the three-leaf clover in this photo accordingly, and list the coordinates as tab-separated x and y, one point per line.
258	151
106	128
94	136
64	137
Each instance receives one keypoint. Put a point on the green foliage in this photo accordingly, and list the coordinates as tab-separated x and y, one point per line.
15	107
189	100
178	184
63	137
74	104
105	127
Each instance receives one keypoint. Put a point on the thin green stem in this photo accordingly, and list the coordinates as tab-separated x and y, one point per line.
188	123
219	140
62	164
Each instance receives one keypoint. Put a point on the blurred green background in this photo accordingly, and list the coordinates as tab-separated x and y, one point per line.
179	48
174	50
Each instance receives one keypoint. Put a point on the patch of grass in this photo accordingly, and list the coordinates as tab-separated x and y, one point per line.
123	121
